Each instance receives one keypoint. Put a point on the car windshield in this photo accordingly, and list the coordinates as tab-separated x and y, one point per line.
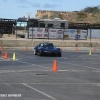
48	44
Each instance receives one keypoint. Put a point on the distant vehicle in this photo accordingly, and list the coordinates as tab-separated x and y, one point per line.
24	24
7	25
45	48
21	27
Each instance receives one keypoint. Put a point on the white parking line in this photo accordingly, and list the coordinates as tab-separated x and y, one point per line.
79	65
21	54
5	60
95	62
40	92
96	84
71	70
9	59
95	55
22	71
33	64
65	83
25	55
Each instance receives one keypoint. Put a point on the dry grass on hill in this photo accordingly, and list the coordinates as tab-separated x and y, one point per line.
77	17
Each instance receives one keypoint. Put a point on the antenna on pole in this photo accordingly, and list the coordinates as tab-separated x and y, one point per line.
28	14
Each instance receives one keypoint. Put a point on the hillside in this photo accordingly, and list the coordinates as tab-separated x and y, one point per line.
75	16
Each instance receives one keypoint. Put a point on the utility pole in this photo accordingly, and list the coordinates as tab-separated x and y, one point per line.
28	15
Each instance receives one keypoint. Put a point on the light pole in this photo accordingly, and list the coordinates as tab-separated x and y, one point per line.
90	36
32	31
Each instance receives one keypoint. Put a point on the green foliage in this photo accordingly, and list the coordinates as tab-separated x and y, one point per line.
81	15
61	16
44	16
94	9
74	20
54	15
88	14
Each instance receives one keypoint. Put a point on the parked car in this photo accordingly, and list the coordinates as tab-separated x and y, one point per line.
47	48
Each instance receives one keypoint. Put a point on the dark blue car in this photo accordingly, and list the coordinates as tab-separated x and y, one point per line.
45	48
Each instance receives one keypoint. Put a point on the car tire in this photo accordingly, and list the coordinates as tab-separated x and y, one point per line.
35	53
60	55
40	53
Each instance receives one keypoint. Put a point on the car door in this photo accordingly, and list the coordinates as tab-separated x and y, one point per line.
39	47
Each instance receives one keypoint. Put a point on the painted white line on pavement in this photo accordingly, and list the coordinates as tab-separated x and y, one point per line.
95	55
23	55
33	64
47	64
5	60
80	57
22	71
89	55
66	83
11	71
9	59
33	70
57	83
40	92
72	70
87	59
64	57
79	65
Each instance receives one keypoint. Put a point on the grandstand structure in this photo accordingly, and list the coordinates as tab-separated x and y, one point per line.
7	26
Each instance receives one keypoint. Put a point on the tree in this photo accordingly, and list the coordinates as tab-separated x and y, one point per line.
44	16
81	16
60	16
54	15
95	9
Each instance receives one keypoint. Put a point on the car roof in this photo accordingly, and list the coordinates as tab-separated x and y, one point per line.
46	42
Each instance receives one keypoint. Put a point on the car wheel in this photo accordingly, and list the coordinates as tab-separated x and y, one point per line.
40	53
35	53
59	55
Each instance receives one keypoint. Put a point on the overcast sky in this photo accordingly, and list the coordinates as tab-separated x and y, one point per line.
19	8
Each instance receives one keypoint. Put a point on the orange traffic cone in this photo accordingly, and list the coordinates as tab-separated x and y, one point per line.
55	66
0	54
27	48
61	48
94	49
76	49
6	55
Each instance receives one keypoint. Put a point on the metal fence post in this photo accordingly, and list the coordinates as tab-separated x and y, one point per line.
87	34
90	34
48	33
32	33
63	33
90	37
16	32
28	32
77	36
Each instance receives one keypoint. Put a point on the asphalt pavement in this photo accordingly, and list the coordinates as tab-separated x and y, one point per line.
30	77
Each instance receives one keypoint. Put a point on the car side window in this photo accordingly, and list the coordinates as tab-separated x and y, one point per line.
39	44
